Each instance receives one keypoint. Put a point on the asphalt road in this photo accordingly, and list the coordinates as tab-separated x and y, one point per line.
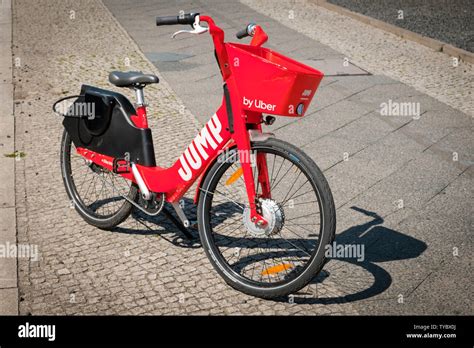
446	20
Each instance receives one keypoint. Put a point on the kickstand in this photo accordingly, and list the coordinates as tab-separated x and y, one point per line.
177	223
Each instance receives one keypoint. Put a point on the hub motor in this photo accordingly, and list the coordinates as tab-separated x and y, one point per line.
272	212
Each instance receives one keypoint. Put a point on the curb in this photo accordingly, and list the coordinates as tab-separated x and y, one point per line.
8	233
434	44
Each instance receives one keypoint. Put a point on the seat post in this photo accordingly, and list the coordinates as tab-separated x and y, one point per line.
140	119
140	96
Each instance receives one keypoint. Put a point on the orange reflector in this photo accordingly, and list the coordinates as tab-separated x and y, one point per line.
277	269
234	176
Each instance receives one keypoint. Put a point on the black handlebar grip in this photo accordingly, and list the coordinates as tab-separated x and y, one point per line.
248	31
187	18
167	20
242	33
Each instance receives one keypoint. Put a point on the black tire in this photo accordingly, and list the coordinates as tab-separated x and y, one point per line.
216	245
103	212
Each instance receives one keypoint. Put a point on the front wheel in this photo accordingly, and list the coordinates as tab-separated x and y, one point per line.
289	252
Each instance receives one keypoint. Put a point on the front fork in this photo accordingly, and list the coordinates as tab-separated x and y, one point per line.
241	136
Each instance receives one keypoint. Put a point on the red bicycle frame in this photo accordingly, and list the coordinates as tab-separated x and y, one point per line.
230	126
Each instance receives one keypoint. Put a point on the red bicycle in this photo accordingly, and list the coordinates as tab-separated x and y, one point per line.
265	211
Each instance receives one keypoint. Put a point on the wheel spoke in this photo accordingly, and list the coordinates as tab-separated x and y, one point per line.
223	195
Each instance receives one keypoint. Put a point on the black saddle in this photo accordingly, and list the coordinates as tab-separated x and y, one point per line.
132	79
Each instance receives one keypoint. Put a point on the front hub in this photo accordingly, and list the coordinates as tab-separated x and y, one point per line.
272	212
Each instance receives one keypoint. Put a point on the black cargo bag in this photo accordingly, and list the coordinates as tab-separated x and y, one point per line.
99	120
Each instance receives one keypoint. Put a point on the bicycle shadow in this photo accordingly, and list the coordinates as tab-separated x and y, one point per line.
381	244
140	223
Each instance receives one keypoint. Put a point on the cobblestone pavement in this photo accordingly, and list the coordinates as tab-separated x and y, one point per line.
143	267
377	51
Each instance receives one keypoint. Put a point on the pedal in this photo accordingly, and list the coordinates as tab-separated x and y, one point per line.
121	166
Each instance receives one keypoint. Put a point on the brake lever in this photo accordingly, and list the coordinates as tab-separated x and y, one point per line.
197	29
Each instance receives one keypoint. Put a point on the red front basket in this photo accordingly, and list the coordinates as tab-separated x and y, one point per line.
270	82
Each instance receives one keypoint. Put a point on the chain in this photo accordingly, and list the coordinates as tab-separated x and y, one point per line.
138	206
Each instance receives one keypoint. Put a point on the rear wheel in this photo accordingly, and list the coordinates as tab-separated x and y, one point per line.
286	255
96	193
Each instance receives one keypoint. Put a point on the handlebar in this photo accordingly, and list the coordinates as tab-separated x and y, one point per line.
194	19
190	18
187	18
